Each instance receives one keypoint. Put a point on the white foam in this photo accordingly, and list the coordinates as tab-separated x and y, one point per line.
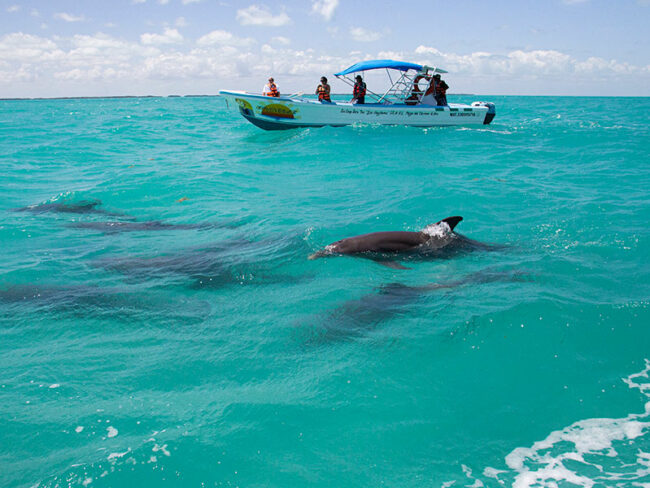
468	472
112	431
116	455
54	385
590	442
440	229
162	449
492	473
79	428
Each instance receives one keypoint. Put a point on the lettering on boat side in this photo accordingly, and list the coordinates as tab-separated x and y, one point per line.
462	114
408	113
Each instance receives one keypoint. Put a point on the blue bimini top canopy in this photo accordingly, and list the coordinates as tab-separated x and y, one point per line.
379	64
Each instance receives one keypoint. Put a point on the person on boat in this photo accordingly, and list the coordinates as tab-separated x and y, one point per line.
271	89
323	91
440	90
359	91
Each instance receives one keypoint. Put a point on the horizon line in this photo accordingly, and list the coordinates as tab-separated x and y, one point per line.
99	97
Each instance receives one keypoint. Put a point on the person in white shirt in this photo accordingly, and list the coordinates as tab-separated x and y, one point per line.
271	89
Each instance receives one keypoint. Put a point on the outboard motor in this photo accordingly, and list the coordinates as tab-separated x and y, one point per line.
491	113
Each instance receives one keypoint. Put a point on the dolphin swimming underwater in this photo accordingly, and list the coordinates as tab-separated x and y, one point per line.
231	261
71	207
436	240
116	226
121	303
355	318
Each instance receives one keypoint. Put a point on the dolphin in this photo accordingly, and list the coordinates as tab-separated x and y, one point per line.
115	226
97	301
80	207
354	318
436	240
232	261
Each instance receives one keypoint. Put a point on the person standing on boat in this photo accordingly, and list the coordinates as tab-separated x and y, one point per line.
271	89
323	91
359	92
440	90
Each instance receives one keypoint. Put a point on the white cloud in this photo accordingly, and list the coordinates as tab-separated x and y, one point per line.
181	22
222	37
325	8
256	15
139	1
163	2
574	2
28	48
13	8
170	36
103	64
518	63
69	17
187	2
427	50
364	35
281	40
34	13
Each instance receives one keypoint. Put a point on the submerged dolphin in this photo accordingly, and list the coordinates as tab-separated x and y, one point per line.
435	240
96	301
234	261
79	207
111	227
356	317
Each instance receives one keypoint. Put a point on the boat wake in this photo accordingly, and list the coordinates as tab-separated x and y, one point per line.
588	453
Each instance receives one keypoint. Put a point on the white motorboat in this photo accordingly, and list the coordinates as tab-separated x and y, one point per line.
407	102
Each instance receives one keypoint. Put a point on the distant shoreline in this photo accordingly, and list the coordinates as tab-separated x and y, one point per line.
5	99
107	96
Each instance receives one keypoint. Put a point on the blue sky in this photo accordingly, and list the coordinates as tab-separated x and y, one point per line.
160	47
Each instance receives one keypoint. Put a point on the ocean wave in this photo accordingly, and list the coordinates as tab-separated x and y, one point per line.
588	453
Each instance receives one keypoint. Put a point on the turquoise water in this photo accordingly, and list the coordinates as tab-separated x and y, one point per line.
213	353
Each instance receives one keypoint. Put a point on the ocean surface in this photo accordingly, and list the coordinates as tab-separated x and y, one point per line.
161	325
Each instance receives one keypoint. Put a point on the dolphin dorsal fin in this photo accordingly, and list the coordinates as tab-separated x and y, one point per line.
451	221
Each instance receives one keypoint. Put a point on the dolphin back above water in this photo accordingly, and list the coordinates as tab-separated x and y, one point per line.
433	240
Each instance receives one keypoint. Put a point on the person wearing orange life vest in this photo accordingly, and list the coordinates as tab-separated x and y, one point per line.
323	91
271	89
440	90
359	91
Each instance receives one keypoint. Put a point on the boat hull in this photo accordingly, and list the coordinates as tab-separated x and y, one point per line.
289	113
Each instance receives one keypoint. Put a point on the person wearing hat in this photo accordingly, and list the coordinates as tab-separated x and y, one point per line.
440	90
323	91
359	92
271	89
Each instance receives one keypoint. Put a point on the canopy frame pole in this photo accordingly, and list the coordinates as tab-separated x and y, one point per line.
400	89
350	81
